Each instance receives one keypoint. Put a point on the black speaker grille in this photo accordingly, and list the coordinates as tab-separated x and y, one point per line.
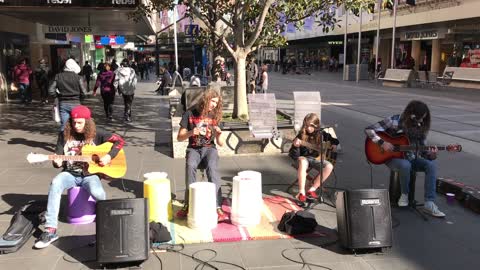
122	230
364	218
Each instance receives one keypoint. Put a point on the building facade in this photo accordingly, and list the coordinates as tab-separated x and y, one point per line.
434	33
57	30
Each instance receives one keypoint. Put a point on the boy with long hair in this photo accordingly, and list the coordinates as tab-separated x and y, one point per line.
308	158
200	127
79	131
414	122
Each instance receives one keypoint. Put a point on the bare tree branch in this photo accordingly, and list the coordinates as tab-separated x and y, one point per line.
230	49
258	28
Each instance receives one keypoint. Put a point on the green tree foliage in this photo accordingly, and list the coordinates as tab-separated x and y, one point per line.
242	26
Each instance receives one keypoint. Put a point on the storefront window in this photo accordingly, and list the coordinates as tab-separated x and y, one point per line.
13	48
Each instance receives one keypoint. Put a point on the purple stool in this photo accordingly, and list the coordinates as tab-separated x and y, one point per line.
81	206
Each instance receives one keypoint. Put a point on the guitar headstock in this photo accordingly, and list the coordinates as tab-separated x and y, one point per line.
36	158
454	148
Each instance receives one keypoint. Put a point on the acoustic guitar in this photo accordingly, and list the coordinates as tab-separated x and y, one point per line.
376	155
91	154
328	153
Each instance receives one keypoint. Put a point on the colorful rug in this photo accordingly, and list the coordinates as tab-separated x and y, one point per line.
273	209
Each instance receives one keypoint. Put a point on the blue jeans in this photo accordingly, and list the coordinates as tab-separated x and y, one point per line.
65	108
66	180
25	92
209	155
404	166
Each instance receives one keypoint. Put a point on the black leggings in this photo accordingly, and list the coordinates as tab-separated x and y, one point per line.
108	99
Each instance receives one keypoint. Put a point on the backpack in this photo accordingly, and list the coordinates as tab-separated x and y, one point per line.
158	233
22	226
297	222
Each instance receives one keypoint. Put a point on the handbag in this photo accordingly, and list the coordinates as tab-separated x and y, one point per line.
56	111
297	222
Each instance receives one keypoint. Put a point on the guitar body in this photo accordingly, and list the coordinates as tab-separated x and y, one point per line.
375	153
117	167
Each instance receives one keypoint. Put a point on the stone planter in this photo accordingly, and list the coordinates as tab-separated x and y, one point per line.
238	141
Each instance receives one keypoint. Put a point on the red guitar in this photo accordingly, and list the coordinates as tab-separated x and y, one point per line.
376	155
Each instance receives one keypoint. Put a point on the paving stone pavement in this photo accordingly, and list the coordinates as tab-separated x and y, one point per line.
436	244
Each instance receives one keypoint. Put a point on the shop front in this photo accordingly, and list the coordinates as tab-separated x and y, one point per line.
14	47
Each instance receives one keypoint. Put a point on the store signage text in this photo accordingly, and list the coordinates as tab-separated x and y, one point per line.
68	29
421	35
59	2
123	2
337	42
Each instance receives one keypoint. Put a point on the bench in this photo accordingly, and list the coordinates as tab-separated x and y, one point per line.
466	78
397	77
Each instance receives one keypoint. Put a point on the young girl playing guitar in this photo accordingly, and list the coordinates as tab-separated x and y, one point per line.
304	155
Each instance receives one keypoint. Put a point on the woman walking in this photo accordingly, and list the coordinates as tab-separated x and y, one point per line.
107	90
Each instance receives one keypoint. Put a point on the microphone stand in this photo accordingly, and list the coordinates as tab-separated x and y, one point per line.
411	184
320	197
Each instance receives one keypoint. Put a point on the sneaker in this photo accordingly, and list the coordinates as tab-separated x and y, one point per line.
222	216
182	213
46	239
403	201
312	194
301	198
432	209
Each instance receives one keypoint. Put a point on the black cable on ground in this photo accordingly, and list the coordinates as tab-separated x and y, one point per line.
201	263
303	262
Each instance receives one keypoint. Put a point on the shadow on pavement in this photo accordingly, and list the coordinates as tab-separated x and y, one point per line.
128	186
16	201
36	144
79	249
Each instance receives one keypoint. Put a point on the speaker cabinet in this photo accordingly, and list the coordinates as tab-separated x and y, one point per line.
364	219
122	231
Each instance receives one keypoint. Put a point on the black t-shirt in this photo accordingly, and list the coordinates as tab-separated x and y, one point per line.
192	119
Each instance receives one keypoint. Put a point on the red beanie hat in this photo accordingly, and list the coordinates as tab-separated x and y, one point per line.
81	111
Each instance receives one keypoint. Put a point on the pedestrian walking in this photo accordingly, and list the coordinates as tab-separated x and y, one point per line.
87	72
21	75
107	90
126	82
41	77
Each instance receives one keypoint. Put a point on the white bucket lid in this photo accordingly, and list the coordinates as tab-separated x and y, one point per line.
155	175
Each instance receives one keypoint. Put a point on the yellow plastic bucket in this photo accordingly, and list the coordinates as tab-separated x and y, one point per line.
156	188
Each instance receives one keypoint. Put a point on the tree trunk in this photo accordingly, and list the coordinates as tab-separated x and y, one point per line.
240	109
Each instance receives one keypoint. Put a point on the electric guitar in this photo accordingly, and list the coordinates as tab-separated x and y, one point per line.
328	153
91	154
376	155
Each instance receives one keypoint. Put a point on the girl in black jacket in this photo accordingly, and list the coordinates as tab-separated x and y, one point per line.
305	152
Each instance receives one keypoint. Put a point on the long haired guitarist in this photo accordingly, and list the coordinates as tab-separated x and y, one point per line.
302	152
414	123
79	131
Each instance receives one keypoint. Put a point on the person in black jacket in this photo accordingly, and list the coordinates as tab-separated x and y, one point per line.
306	157
41	76
87	71
79	131
69	88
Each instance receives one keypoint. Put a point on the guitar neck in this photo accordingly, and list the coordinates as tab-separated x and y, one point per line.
70	158
403	148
